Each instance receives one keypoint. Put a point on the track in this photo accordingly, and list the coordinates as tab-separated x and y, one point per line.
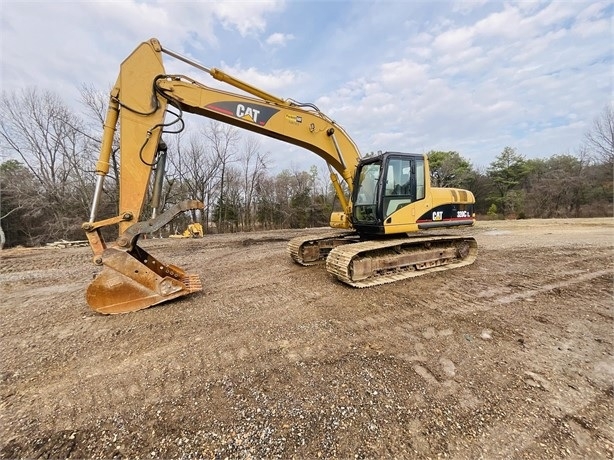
371	263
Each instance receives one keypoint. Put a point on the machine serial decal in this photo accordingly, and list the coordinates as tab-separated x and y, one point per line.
254	113
294	119
447	213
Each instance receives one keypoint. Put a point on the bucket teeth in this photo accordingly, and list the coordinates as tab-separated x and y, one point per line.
192	283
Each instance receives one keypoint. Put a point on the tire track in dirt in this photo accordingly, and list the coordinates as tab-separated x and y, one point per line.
218	353
408	336
290	335
540	288
159	374
527	440
44	259
440	371
484	297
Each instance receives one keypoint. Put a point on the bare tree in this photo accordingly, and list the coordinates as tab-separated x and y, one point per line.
48	138
223	141
254	165
95	103
555	186
228	208
193	172
600	138
268	213
16	202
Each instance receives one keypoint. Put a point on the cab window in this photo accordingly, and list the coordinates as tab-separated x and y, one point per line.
404	183
398	179
419	179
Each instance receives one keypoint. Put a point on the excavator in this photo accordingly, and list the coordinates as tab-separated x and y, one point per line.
378	236
193	230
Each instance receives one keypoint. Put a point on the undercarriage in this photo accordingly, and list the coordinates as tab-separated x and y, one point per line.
367	263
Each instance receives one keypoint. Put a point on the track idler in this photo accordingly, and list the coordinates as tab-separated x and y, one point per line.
132	279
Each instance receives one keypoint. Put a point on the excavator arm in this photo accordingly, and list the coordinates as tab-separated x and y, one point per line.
147	102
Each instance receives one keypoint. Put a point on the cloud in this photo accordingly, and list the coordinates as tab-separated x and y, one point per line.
467	76
454	40
277	82
397	75
246	17
278	39
465	7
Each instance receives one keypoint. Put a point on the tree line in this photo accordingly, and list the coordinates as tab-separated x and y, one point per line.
47	176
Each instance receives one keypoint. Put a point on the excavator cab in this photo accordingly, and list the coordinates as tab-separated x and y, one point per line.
383	185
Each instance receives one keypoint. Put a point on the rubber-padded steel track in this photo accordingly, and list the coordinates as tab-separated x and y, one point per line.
386	261
312	249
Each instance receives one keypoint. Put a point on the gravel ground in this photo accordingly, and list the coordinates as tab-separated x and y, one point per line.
510	357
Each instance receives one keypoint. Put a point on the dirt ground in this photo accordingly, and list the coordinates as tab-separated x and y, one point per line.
511	357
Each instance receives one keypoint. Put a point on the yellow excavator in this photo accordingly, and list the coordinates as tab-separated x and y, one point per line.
373	240
193	230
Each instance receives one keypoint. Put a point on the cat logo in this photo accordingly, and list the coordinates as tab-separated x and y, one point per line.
438	215
252	113
247	113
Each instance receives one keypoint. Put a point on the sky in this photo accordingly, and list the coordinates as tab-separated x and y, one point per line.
412	76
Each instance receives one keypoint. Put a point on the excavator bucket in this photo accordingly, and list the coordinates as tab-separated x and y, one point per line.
134	280
131	278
